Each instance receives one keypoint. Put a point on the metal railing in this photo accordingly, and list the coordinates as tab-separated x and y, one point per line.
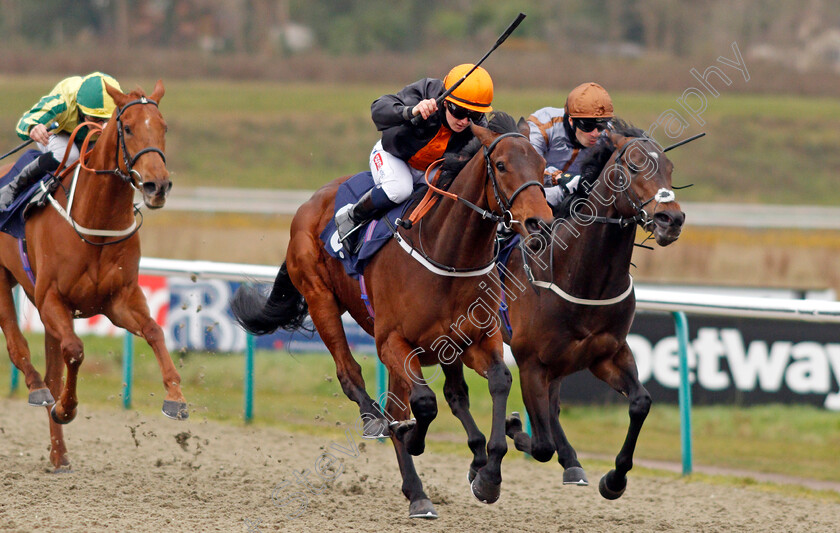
677	303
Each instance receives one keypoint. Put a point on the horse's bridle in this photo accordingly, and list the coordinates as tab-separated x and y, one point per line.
504	202
506	218
662	196
129	161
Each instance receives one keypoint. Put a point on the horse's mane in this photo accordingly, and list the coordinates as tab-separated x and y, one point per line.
500	122
596	159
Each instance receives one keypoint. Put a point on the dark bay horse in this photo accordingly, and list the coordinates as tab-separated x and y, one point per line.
579	316
85	260
423	316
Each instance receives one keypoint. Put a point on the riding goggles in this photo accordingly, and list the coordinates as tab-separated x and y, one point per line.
460	113
588	124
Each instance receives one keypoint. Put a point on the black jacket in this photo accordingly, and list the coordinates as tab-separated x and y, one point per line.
417	145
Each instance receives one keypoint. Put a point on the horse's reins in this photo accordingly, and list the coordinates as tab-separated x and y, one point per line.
126	176
506	218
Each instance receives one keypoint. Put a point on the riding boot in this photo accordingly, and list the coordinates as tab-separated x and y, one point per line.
372	204
30	174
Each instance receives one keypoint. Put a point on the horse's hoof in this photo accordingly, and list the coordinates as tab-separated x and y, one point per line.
175	410
471	474
484	491
41	398
399	429
513	425
575	476
609	493
63	470
375	428
422	509
58	420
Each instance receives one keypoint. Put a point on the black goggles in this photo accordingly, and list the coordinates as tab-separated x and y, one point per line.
460	113
588	124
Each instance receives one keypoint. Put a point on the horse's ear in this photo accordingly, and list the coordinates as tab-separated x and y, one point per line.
157	94
119	98
483	134
524	129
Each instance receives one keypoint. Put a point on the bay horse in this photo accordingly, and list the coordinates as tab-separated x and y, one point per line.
580	309
426	308
83	260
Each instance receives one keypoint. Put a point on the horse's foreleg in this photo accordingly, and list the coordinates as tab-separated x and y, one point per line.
54	370
326	316
58	324
18	348
396	354
532	380
486	359
131	312
457	396
420	506
620	373
573	473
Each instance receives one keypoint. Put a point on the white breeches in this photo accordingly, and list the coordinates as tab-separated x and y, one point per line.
57	145
393	174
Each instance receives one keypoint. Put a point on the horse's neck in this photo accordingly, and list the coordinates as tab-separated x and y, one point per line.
601	252
454	234
102	201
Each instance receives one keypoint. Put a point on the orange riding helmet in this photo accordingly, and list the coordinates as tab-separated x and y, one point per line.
475	92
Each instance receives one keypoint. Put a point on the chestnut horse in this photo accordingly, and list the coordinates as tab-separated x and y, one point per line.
579	312
84	254
420	309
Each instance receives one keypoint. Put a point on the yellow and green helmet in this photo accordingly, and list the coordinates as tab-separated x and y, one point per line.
93	99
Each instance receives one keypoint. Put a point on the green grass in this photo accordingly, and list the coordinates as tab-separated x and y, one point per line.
758	148
301	393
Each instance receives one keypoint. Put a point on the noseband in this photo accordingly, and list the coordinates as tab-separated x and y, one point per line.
129	161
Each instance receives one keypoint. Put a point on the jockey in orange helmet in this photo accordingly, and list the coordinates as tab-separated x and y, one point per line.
399	160
562	135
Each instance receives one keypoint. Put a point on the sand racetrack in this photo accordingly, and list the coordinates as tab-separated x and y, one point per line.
133	472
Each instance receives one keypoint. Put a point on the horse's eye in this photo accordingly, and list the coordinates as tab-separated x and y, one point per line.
127	130
500	166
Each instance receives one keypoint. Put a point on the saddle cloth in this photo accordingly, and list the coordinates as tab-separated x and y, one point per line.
12	219
374	234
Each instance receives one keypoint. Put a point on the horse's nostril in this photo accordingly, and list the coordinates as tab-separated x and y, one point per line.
532	225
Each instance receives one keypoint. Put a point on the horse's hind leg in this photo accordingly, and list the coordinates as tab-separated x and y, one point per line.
457	396
39	394
420	506
573	473
131	312
620	373
326	316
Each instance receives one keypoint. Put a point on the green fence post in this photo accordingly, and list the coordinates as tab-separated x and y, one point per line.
681	324
13	371
249	377
128	368
380	383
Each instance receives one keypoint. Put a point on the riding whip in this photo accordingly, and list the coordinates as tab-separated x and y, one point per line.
513	25
27	143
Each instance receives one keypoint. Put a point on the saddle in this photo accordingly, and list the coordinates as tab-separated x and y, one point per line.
371	236
12	220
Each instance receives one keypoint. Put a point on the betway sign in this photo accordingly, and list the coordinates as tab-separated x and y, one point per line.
730	360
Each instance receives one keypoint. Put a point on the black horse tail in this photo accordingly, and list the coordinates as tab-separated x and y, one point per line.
260	315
